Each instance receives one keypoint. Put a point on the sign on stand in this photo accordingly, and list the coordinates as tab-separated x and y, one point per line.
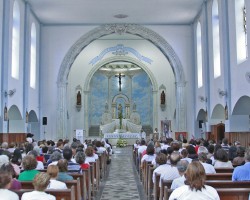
80	135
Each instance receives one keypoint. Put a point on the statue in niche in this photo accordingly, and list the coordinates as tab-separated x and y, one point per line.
226	112
134	107
79	98
27	117
5	113
106	107
163	96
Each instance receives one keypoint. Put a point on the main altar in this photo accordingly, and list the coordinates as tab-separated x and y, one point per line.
119	124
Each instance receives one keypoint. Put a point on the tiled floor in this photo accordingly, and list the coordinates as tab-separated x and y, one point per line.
122	182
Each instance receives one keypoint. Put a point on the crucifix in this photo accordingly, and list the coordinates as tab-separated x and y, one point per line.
120	80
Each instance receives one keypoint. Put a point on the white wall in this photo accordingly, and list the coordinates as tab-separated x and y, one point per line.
56	41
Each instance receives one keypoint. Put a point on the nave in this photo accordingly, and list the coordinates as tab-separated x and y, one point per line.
122	182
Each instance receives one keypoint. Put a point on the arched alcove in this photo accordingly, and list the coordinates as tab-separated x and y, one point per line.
242	106
16	122
133	29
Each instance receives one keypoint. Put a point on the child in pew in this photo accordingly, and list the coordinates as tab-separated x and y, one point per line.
53	170
40	182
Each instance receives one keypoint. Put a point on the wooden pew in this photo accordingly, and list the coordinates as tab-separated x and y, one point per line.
233	193
224	170
228	184
94	176
216	183
68	194
156	186
85	182
224	193
150	181
219	176
75	183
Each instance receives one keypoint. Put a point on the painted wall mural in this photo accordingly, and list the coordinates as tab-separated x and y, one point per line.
138	89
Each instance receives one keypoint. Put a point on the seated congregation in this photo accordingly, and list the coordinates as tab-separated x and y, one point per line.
53	170
197	169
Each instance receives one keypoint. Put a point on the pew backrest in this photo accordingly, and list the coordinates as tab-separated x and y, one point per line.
68	194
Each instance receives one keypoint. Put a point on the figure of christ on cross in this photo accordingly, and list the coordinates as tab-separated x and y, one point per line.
120	80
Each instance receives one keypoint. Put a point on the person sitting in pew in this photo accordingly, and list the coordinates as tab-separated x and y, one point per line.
242	173
80	159
239	159
90	155
5	183
182	167
72	166
29	164
150	154
63	171
54	158
195	187
221	159
53	170
209	169
15	184
40	182
171	171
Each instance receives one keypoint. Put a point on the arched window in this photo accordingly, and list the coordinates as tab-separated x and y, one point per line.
15	41
33	56
241	30
199	55
216	39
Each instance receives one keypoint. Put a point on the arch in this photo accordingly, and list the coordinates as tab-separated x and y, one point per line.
117	59
14	113
33	116
120	96
242	106
202	115
218	112
108	29
133	29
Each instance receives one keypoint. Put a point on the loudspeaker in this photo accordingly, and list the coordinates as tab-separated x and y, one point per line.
200	123
44	120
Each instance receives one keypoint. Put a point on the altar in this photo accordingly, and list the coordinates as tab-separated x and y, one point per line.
129	137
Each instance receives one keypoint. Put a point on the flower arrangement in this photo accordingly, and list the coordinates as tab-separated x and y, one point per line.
122	143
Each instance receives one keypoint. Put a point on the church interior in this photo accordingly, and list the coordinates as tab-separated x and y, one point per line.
66	69
92	69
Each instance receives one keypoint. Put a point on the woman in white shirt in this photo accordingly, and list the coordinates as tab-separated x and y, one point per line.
221	159
40	182
53	170
195	187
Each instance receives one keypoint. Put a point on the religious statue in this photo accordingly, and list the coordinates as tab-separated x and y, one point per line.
226	112
120	80
163	97
106	107
120	115
79	98
27	117
5	113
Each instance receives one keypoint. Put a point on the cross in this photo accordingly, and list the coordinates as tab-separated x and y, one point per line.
120	80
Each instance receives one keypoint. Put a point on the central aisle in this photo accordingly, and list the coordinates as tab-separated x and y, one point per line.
122	182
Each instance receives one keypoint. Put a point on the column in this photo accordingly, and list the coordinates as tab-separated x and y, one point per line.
61	111
155	109
86	111
181	121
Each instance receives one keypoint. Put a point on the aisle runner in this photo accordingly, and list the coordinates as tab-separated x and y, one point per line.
121	184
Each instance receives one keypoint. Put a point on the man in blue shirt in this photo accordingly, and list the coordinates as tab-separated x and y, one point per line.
242	173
